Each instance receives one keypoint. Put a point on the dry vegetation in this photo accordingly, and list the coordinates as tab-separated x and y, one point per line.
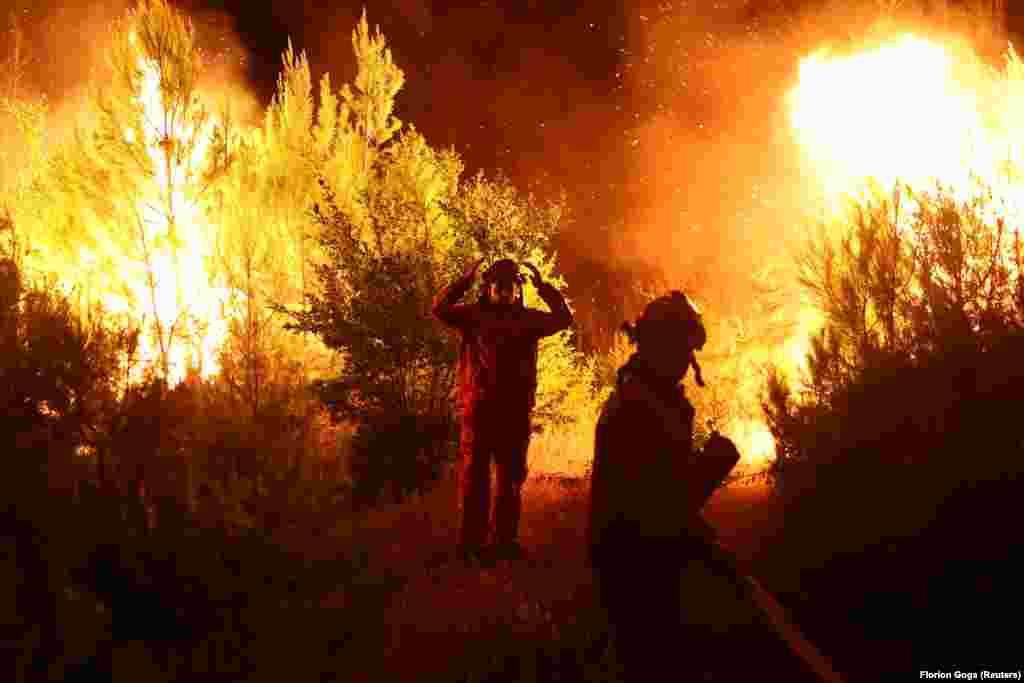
536	620
208	528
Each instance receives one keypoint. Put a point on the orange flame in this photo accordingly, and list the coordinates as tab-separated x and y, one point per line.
180	295
910	111
182	280
755	443
886	113
913	112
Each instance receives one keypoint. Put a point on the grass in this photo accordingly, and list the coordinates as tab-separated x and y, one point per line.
535	620
379	597
565	452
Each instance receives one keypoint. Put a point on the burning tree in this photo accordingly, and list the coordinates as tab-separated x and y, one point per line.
262	206
900	446
915	279
127	196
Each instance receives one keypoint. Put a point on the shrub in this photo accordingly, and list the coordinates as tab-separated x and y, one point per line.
901	454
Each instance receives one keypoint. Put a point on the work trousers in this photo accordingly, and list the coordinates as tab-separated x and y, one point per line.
490	434
643	602
639	585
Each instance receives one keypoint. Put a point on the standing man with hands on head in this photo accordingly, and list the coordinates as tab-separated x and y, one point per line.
497	386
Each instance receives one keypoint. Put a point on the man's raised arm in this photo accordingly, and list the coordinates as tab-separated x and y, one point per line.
446	306
560	316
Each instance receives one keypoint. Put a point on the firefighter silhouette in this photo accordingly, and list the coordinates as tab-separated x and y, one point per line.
648	485
497	385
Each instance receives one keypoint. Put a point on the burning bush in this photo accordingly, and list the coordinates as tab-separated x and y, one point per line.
902	449
915	282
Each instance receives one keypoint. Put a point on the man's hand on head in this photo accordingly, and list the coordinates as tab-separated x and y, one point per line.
534	275
470	273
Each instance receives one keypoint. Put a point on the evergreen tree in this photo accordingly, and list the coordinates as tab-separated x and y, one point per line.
395	225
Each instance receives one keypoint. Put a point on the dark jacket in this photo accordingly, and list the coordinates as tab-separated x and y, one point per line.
498	352
648	483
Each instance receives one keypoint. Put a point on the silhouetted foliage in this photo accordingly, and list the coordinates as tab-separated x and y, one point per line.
902	448
135	511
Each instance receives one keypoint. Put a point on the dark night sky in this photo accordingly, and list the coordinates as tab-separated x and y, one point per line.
661	118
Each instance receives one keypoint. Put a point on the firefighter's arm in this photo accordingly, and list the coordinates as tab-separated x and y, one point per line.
446	306
560	317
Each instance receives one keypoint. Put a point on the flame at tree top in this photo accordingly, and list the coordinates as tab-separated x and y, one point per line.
887	113
183	224
158	269
180	293
912	111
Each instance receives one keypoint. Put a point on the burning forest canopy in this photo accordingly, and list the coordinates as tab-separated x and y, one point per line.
162	193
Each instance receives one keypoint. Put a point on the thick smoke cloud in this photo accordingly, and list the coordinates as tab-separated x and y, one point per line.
714	181
65	42
665	122
716	187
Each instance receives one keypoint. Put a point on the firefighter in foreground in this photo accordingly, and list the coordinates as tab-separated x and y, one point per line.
497	387
649	484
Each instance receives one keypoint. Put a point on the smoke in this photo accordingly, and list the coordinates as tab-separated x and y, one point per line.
226	67
716	186
718	196
63	41
64	46
523	88
664	122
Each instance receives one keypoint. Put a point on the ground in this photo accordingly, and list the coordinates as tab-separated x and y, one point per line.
381	598
537	619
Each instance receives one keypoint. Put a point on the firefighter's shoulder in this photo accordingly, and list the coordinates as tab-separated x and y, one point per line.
633	399
619	403
633	391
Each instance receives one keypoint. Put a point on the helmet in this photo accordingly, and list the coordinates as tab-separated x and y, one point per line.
505	270
672	316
